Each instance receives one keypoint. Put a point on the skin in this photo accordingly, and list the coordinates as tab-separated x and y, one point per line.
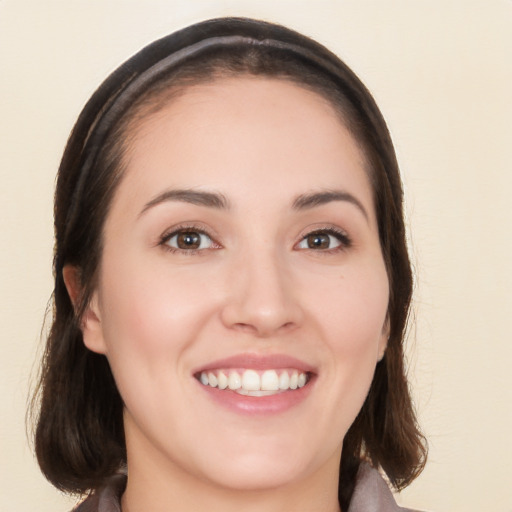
254	287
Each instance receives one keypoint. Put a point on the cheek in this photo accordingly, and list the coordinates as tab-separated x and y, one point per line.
352	307
149	319
351	313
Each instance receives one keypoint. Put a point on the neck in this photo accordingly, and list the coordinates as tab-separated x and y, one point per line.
178	498
158	485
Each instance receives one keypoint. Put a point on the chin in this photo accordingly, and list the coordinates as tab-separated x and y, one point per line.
265	464
256	474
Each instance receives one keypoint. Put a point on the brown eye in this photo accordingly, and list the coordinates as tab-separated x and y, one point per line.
323	240
318	241
189	241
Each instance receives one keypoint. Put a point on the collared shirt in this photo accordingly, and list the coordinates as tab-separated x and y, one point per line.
371	494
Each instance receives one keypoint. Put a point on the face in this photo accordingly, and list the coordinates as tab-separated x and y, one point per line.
242	294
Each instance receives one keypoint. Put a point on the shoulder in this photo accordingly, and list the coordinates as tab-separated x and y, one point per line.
105	499
372	493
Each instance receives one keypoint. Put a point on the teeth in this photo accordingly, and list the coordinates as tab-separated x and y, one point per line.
234	381
212	380
270	381
255	393
223	380
294	380
284	381
252	383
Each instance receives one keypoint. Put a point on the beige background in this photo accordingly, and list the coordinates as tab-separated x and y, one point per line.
441	71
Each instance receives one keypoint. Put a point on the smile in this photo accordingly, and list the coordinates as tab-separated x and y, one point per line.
252	382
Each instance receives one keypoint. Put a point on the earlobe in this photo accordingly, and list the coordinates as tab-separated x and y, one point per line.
92	327
90	322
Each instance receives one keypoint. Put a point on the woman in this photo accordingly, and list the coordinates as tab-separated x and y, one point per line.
231	285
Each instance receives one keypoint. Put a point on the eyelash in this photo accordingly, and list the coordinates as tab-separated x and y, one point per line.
345	242
166	237
341	236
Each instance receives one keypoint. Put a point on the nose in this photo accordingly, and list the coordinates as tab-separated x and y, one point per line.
262	297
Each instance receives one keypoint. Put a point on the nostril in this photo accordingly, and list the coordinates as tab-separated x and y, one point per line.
247	328
262	329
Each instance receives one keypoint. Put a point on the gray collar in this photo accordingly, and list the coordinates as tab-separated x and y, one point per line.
372	494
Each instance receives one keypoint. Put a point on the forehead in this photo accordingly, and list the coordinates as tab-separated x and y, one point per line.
244	131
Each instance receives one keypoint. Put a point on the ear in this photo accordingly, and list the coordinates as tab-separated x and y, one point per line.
384	338
90	323
71	277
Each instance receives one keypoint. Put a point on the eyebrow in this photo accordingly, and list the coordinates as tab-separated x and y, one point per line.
314	199
198	197
219	201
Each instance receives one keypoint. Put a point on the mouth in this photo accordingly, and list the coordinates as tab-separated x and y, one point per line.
257	384
253	382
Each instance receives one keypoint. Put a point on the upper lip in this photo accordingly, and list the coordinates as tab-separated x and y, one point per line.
257	362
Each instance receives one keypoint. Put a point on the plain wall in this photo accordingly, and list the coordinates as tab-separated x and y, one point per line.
441	71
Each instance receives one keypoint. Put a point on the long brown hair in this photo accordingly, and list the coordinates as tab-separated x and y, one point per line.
79	436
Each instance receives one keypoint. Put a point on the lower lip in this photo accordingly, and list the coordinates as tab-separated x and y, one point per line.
259	405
